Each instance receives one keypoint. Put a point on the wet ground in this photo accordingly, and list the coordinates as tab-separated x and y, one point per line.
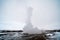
20	36
26	36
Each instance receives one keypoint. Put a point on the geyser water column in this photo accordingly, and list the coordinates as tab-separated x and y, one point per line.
29	15
28	27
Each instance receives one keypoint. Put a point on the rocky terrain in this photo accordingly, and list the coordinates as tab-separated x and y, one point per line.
19	35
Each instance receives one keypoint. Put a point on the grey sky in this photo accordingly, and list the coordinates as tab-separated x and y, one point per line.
45	13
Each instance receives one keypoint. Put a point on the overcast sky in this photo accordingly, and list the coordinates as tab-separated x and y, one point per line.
13	13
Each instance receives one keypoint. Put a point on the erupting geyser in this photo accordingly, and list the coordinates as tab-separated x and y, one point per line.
28	28
28	25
